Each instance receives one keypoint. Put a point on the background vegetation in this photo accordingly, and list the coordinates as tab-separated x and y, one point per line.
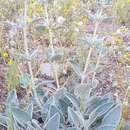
64	64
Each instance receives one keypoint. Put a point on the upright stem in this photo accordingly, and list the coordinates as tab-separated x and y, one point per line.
51	45
26	42
49	29
99	56
97	64
32	87
90	51
89	55
1	38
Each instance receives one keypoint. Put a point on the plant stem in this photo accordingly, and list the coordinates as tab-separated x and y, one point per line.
49	29
86	65
51	45
97	64
1	38
32	87
89	55
26	42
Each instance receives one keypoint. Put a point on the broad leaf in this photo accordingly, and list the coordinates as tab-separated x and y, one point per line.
36	125
113	116
53	123
82	91
21	116
75	118
76	67
72	128
73	100
106	127
12	99
30	110
99	112
53	110
25	80
3	120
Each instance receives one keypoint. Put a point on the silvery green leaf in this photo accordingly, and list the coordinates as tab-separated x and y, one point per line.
30	127
76	67
3	120
33	54
21	116
53	110
46	82
75	118
107	97
45	1
98	16
40	30
12	99
25	57
36	125
59	95
45	108
105	2
91	40
30	110
104	51
16	126
82	91
40	92
92	104
94	83
25	80
53	123
95	101
63	106
36	99
11	24
54	56
99	112
106	127
73	100
113	116
72	128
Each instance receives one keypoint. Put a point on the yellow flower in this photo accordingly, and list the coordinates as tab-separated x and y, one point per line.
123	30
5	54
70	6
119	40
10	62
35	9
80	21
29	20
1	14
39	8
127	56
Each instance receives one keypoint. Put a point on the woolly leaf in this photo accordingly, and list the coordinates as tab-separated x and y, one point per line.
21	116
53	123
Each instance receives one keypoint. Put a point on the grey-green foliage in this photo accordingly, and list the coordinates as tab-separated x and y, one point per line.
62	111
105	2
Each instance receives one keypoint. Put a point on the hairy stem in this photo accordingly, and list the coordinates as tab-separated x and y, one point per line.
89	55
97	64
32	87
51	45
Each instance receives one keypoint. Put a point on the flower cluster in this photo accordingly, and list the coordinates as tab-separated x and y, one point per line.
6	57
